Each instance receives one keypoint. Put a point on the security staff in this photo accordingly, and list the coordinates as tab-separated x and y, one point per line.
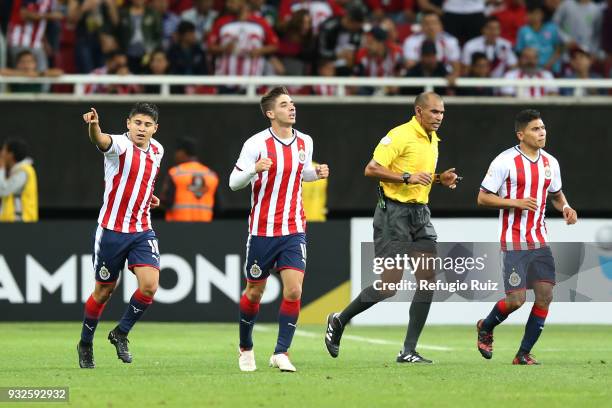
189	190
404	163
18	191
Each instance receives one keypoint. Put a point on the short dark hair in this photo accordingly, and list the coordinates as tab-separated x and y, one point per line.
185	27
18	147
524	117
145	108
267	101
491	19
187	144
477	56
22	54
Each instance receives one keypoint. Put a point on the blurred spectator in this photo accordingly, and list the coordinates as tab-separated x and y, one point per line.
116	63
550	8
320	10
340	38
512	16
431	6
186	56
95	22
429	66
544	37
528	69
296	48
480	67
498	50
139	32
447	46
169	21
25	66
581	64
158	65
378	58
18	183
202	16
26	29
178	6
325	68
400	11
240	41
190	187
389	26
265	10
463	18
606	36
579	24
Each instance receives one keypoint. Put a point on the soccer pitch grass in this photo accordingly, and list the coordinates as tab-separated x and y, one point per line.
196	365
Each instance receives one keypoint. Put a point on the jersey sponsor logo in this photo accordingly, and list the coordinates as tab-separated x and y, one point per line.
255	271
104	273
514	279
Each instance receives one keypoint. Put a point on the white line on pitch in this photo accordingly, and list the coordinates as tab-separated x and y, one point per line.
358	339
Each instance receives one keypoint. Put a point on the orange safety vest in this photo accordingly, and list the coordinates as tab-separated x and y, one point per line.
194	197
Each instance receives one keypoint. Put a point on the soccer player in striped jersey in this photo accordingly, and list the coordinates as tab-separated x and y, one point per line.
518	183
131	166
274	162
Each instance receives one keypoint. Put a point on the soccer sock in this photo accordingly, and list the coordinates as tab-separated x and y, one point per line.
498	314
248	314
366	299
533	328
419	309
134	311
93	310
287	323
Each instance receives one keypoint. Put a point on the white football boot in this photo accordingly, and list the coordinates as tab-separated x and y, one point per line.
282	362
246	360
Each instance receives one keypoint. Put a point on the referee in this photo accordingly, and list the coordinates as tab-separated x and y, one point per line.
404	163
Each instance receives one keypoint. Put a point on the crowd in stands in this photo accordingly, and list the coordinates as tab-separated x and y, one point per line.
362	38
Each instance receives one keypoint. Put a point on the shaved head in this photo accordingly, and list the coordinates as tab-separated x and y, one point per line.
424	99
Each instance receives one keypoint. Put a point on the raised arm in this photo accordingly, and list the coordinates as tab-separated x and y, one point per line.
101	140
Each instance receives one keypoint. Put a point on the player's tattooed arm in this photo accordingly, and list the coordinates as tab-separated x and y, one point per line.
560	203
101	140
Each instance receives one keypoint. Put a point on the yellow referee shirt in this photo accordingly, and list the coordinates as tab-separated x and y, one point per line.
407	148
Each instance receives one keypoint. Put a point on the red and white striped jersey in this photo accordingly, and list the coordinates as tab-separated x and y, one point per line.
276	194
514	175
28	34
248	35
319	10
528	91
129	179
372	66
499	54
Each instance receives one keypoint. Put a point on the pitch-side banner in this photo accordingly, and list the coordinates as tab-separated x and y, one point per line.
46	271
465	268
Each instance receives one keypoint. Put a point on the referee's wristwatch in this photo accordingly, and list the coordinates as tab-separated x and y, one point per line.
406	177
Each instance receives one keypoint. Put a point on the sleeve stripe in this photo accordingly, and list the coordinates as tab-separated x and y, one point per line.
486	190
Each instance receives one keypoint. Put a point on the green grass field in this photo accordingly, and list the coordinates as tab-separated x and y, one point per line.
196	365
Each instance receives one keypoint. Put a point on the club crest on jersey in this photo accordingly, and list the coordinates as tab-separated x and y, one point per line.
255	271
514	279
104	273
302	156
547	172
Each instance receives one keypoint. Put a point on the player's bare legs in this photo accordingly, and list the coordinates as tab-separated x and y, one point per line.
249	307
93	310
287	318
148	281
535	324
